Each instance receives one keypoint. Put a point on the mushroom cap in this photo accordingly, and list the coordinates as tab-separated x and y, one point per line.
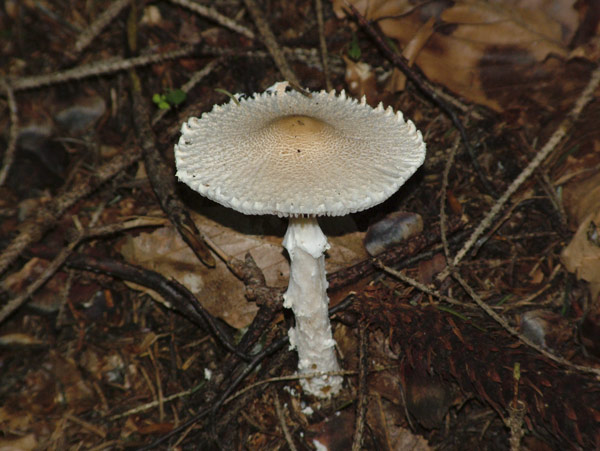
283	153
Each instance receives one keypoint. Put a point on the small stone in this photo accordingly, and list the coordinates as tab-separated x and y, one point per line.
82	115
392	230
546	328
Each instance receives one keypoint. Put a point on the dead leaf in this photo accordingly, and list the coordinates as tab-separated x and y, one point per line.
221	293
25	443
386	420
360	79
581	199
482	51
582	255
163	251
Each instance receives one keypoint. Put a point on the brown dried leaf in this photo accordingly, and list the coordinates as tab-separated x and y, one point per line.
360	79
25	443
582	255
221	293
217	289
480	50
581	198
386	420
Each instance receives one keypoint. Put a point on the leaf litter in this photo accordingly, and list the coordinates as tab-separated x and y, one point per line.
99	349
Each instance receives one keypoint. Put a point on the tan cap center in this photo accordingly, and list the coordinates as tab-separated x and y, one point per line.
297	126
300	134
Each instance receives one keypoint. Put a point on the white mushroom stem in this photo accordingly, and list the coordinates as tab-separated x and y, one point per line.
307	297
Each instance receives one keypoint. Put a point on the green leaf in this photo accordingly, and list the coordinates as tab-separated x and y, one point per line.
163	105
353	49
175	96
157	98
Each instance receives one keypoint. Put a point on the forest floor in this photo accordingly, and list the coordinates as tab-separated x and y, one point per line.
136	314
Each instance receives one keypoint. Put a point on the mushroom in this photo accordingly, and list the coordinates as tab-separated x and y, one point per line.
295	156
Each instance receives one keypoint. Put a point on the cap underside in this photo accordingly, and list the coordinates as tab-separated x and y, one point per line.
288	154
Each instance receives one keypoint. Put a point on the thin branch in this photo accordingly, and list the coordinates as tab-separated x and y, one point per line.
363	388
400	62
34	228
282	423
12	305
172	291
563	129
418	285
160	175
95	28
504	323
271	43
94	69
323	44
11	148
215	16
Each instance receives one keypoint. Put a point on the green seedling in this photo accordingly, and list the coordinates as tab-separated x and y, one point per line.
354	52
172	97
228	94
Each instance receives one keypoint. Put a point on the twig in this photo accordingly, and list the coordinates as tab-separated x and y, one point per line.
418	285
173	292
59	260
504	323
214	15
443	217
495	316
558	269
152	404
271	43
187	87
34	228
363	389
403	65
399	256
565	126
94	29
94	69
323	44
497	224
161	177
282	423
11	148
100	431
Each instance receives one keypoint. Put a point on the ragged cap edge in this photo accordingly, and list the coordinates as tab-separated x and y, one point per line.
192	159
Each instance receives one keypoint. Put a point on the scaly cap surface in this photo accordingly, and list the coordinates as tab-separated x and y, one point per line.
286	154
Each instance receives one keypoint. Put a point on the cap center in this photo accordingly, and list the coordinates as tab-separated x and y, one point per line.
298	126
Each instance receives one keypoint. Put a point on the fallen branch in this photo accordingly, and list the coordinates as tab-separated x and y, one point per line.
563	129
34	228
59	260
160	175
